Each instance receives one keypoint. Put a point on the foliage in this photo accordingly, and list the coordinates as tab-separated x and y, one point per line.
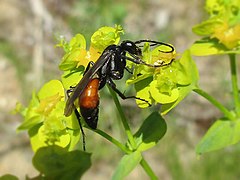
222	29
54	136
221	34
56	162
52	133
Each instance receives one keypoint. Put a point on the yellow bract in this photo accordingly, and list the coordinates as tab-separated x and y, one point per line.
48	104
86	56
228	36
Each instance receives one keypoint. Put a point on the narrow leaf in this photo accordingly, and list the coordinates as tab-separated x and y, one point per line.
151	131
207	47
221	134
127	164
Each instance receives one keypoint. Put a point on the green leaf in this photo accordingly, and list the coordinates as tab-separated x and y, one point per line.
49	133
187	79
36	143
169	85
51	88
57	163
75	136
8	177
70	122
70	60
75	49
150	132
163	97
221	134
53	132
19	108
126	165
78	41
105	36
45	120
206	28
225	9
206	47
135	80
183	92
214	6
72	78
31	117
29	122
142	89
49	96
187	73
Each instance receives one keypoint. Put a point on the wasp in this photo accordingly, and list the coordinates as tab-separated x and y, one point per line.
110	66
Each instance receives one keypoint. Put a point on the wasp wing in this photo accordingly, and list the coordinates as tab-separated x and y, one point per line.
78	90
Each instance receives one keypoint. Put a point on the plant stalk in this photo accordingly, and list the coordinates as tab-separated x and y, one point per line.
217	104
148	169
232	58
143	163
123	119
112	140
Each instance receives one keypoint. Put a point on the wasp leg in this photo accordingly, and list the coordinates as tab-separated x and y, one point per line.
128	70
69	91
91	63
138	60
114	87
81	128
165	64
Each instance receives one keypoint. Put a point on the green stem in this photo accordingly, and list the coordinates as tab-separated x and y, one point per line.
143	163
217	104
232	58
123	118
112	140
148	169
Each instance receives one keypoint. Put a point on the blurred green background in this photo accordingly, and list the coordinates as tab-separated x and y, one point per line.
28	58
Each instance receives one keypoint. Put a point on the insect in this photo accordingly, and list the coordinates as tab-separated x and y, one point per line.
109	66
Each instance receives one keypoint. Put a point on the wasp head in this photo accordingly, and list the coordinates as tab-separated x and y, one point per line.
131	48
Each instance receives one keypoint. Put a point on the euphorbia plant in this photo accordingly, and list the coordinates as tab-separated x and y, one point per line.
54	137
52	133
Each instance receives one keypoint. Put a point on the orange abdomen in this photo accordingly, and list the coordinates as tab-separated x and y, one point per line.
88	102
90	98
